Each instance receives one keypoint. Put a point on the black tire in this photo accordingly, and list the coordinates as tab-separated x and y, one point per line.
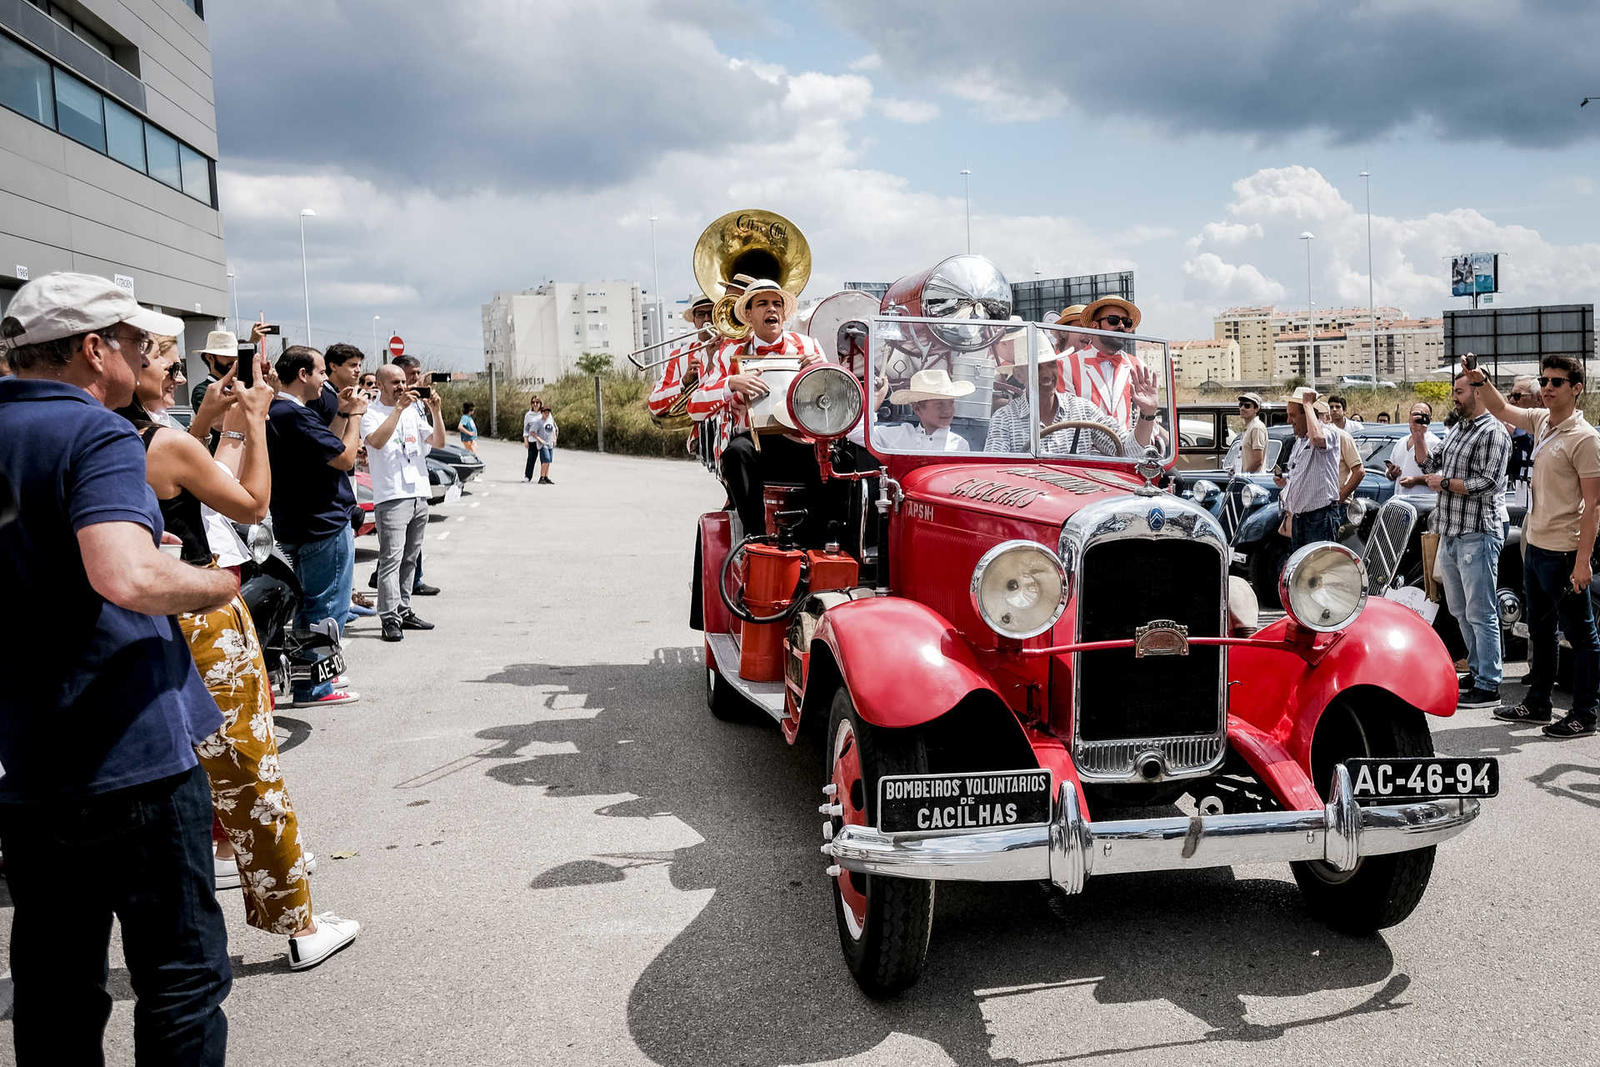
1265	565
726	702
1382	890
886	944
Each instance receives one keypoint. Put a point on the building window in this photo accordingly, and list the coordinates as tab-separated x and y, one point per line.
161	155
78	112
124	135
25	83
196	171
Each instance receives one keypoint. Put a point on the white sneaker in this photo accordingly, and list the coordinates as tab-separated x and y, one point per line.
333	934
227	872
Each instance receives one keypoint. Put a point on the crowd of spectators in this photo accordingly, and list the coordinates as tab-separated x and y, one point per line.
141	770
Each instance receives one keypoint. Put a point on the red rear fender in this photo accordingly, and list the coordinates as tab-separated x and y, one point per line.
902	662
716	541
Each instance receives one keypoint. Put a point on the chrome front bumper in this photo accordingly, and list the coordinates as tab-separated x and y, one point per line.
1071	848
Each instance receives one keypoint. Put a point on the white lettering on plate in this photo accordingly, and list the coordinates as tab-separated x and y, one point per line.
919	510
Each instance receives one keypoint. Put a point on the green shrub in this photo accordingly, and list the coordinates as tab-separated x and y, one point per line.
629	430
1435	393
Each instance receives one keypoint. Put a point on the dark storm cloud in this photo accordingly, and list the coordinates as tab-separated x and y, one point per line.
508	95
1469	70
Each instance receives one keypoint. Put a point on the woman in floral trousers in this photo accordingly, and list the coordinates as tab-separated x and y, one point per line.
247	788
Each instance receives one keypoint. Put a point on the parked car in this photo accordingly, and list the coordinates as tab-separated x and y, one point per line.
364	501
444	485
1362	381
1011	659
463	461
1230	497
1206	433
1259	550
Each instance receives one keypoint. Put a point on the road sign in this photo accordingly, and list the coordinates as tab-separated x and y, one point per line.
397	347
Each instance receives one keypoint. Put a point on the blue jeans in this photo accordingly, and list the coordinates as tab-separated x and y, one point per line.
326	569
144	855
1550	596
1471	567
1319	525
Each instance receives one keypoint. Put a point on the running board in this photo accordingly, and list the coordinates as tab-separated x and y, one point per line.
768	696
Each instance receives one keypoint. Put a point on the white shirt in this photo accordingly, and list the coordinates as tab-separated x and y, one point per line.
400	468
1405	458
909	437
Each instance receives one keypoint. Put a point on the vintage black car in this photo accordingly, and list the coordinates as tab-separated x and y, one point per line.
462	460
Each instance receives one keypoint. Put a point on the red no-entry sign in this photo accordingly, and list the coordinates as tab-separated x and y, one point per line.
397	347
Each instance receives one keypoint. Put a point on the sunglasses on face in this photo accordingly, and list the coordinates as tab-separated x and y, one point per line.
1115	321
1553	381
1514	395
175	372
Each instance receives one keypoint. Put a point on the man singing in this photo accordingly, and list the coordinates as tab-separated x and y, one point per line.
732	380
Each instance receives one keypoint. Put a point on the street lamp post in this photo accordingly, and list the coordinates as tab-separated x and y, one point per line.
305	282
233	290
1311	311
381	353
1372	304
966	189
655	270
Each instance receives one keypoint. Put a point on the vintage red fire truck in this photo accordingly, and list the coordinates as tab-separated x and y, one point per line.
1016	646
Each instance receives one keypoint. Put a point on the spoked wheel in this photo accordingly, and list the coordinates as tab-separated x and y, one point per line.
1382	890
883	922
725	702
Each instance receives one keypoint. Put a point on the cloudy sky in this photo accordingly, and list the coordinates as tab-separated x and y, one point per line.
454	151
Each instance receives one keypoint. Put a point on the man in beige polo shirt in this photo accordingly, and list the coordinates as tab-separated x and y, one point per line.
1558	538
1253	449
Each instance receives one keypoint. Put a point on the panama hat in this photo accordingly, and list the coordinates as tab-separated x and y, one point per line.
932	384
698	302
741	307
1092	312
1299	396
1046	355
220	343
66	304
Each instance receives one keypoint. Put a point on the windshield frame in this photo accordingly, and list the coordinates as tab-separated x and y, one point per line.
886	333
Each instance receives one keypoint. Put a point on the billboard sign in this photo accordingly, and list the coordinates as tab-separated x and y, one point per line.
1473	273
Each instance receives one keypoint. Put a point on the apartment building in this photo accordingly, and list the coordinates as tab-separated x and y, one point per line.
1273	342
537	335
1196	362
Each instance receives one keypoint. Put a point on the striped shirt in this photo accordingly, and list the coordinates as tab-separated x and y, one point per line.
1313	475
712	397
670	387
1104	379
1011	430
1476	452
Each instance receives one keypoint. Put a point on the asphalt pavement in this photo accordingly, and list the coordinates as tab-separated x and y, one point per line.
559	857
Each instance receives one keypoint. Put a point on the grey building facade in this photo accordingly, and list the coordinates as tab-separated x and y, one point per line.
108	148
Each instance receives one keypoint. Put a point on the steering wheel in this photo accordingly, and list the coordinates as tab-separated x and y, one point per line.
1086	424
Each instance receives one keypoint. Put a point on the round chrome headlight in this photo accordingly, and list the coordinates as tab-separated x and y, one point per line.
1323	586
1204	491
259	542
825	401
1252	495
1019	589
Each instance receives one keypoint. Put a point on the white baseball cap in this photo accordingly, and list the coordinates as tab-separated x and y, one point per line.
65	304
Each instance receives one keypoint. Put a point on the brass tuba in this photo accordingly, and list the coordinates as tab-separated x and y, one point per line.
760	244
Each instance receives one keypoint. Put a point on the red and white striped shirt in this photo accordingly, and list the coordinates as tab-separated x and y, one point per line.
1105	379
670	386
712	395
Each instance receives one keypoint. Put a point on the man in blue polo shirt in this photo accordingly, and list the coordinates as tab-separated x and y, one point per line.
103	808
312	498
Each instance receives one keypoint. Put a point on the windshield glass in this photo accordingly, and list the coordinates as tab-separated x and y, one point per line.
976	386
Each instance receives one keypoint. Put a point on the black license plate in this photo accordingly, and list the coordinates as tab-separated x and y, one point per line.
325	669
981	800
1431	778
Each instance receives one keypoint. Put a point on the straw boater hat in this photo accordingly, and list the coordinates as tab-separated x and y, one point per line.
1092	312
1069	315
698	302
931	385
741	307
1299	396
220	343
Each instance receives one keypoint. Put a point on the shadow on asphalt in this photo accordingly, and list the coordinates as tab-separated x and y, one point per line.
757	976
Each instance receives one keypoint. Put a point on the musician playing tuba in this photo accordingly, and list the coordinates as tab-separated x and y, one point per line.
732	380
685	363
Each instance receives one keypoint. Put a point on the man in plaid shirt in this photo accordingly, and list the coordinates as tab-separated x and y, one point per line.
1468	471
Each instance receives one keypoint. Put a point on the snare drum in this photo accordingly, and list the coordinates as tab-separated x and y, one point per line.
778	372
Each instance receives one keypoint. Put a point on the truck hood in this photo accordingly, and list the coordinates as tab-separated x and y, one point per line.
1027	490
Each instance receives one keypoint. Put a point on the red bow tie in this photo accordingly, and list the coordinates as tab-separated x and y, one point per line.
767	350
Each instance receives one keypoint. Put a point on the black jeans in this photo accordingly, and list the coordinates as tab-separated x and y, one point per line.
1321	524
746	472
533	460
144	855
1546	576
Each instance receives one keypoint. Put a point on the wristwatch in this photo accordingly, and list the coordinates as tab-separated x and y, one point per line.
1146	418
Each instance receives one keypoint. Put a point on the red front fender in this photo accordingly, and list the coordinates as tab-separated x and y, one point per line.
903	663
1389	647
